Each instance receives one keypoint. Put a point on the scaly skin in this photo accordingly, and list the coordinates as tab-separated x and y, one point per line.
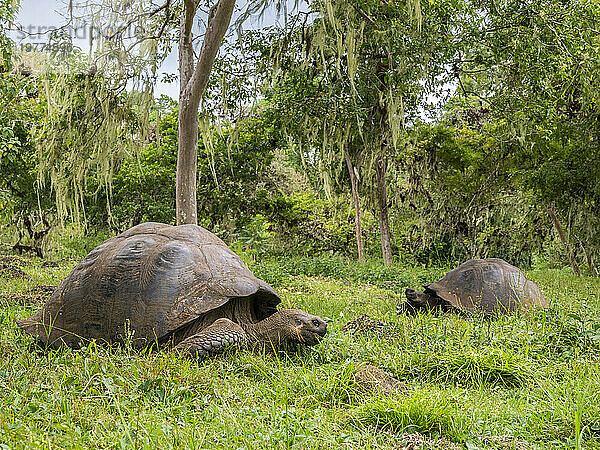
286	326
223	333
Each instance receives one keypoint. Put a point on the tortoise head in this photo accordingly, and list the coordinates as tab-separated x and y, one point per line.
290	327
415	301
417	297
418	301
304	328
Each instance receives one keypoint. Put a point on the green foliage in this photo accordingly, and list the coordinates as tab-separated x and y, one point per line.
233	175
143	189
535	76
393	277
459	184
307	224
255	238
232	178
364	68
24	204
8	11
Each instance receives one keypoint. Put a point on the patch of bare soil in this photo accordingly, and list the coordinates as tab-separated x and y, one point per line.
14	260
416	441
12	271
12	266
365	324
504	442
50	264
34	296
372	380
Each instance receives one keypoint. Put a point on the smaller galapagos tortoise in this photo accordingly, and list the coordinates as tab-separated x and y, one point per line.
162	283
483	286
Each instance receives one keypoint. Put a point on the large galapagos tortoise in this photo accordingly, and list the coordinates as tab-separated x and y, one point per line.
161	283
484	286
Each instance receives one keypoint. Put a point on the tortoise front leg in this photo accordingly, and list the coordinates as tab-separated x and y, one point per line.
222	334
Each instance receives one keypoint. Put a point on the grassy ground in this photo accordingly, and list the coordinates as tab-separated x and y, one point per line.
516	382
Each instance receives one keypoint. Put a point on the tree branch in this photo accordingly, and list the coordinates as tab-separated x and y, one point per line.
219	18
186	51
362	13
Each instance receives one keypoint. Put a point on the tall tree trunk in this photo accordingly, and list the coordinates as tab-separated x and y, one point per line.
357	221
193	78
187	162
564	240
384	224
590	261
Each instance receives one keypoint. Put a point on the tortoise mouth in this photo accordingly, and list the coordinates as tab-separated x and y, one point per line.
313	338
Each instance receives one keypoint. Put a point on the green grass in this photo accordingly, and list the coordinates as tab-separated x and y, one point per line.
514	382
428	411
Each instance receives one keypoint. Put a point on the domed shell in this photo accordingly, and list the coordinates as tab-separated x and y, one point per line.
152	279
488	286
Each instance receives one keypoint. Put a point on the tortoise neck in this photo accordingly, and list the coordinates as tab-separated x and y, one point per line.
269	330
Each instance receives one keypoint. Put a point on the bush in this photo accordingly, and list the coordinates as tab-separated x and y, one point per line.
394	277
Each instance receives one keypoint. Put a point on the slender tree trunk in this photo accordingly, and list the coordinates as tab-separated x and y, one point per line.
590	261
357	220
193	78
564	240
384	224
187	162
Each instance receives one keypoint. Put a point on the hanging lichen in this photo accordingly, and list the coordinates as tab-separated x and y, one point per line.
87	129
353	78
97	105
207	135
353	38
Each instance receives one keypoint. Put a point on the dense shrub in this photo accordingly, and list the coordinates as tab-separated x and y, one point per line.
393	277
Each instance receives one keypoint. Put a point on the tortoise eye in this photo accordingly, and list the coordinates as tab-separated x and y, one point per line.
316	323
